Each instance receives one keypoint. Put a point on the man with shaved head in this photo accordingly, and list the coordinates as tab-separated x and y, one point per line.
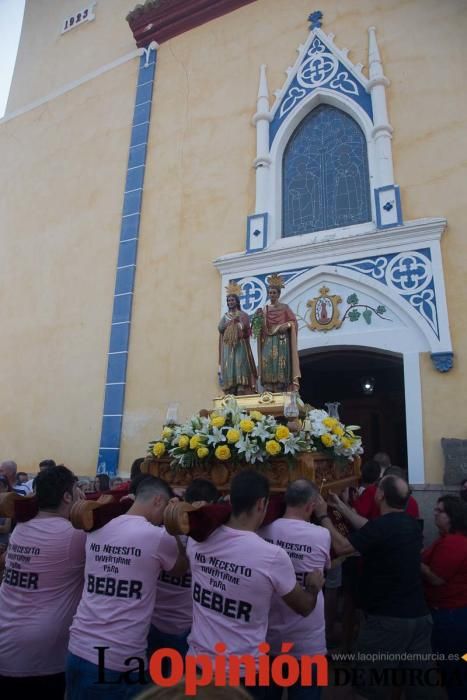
396	618
8	469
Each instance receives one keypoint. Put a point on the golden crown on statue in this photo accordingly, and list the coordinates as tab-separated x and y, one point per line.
234	288
275	280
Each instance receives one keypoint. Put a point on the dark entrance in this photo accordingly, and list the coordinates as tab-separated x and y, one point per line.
369	385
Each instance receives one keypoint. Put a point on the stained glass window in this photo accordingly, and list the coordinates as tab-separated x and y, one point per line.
325	174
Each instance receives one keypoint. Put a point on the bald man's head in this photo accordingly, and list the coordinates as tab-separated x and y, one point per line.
300	492
396	491
8	469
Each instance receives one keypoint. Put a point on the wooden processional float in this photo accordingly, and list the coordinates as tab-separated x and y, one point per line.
328	473
200	520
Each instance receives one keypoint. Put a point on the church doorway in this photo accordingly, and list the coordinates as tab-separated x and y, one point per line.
369	386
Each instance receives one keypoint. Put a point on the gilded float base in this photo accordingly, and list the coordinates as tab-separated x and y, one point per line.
315	466
271	404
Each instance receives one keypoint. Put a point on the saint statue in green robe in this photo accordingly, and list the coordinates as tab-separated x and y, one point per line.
237	370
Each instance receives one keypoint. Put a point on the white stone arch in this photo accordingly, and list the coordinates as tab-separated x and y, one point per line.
282	137
407	341
420	333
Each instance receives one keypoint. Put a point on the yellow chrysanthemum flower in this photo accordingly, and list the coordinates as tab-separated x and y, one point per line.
233	436
272	447
247	425
337	430
222	452
167	432
346	443
183	441
330	422
195	442
202	452
256	415
326	439
282	432
158	449
218	421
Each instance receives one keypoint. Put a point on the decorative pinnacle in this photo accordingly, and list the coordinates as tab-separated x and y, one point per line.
374	58
315	19
263	83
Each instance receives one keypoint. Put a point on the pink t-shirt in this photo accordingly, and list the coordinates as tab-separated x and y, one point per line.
308	547
173	612
235	574
123	560
39	595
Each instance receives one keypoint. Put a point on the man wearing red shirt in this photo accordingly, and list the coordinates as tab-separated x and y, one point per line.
365	507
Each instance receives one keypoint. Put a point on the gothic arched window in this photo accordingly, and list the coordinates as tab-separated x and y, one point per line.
325	180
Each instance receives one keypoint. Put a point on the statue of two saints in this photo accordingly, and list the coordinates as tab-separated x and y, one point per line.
277	344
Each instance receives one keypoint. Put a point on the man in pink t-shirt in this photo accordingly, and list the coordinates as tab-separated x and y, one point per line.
235	574
173	611
123	561
308	547
40	592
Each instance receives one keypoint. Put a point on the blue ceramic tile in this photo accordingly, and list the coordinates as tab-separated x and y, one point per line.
142	113
146	73
137	156
125	280
111	431
114	398
139	134
144	93
132	202
119	336
122	309
129	227
134	179
108	461
116	366
127	253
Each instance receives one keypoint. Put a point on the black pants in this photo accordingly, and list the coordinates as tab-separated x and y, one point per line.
27	687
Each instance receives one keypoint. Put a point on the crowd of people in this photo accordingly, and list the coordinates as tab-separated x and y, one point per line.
82	613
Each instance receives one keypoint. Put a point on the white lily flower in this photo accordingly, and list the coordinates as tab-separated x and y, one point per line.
291	445
217	435
262	432
249	448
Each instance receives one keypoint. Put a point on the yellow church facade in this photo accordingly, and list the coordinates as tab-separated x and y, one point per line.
149	161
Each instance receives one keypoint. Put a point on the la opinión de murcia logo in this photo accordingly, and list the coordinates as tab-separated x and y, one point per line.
227	670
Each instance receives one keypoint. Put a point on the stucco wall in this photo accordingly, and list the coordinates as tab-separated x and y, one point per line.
62	179
199	187
48	60
200	184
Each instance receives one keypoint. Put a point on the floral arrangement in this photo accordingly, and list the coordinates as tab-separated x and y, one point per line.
228	434
329	434
234	435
